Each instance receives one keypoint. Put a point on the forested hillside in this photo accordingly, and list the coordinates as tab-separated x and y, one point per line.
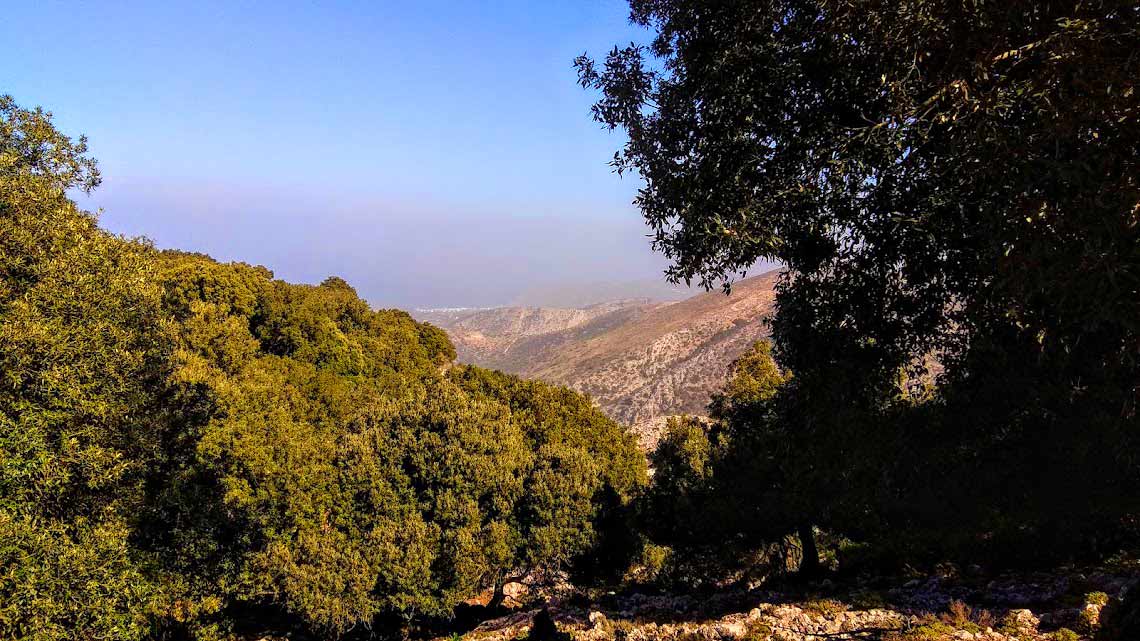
185	440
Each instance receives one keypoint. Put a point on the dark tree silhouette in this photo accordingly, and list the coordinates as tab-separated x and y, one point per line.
947	183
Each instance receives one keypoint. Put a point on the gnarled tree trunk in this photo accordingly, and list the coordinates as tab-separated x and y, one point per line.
499	595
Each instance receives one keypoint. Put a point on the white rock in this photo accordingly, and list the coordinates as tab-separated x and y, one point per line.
1024	620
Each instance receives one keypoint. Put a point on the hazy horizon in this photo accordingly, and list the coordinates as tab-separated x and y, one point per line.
432	154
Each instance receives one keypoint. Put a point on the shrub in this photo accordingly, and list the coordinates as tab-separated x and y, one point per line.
1097	598
963	617
756	631
929	631
868	600
621	629
651	565
824	607
1017	622
1064	634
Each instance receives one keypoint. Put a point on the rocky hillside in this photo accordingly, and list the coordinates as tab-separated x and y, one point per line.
640	360
508	338
1070	604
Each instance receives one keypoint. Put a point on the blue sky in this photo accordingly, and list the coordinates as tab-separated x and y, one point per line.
432	153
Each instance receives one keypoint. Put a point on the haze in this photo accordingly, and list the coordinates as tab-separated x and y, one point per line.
431	153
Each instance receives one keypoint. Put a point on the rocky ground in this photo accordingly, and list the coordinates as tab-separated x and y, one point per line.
1067	605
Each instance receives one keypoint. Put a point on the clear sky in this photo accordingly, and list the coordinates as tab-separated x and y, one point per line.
432	153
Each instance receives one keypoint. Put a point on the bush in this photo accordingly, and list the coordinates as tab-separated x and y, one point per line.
868	600
1064	634
929	631
824	607
963	617
756	631
650	566
1097	598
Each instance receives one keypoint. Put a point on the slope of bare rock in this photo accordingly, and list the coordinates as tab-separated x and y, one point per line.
640	360
500	336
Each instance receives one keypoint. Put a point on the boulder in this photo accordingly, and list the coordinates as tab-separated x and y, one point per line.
1021	622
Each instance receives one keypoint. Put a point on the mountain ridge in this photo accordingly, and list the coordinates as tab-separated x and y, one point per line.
641	360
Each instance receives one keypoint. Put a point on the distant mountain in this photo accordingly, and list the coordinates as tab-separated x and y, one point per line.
577	295
641	360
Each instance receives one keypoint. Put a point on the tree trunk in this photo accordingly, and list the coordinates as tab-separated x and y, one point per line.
501	582
809	564
497	598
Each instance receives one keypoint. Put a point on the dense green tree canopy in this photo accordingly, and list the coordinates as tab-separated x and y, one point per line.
182	439
82	344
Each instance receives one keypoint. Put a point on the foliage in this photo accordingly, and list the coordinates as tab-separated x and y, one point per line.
754	378
355	479
756	631
720	490
583	472
1064	634
824	607
650	566
950	183
963	617
929	631
82	343
182	439
59	578
681	469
